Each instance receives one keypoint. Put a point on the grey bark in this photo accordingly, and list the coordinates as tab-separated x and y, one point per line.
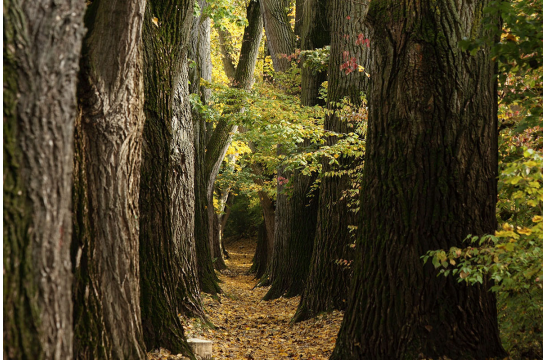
42	43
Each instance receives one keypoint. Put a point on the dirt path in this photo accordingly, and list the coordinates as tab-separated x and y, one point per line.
248	328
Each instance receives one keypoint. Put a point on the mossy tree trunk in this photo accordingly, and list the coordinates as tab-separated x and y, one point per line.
167	199
296	212
107	179
41	52
429	181
327	285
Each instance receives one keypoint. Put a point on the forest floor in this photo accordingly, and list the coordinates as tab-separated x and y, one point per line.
249	328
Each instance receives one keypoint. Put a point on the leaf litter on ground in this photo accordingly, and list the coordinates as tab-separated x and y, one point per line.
246	327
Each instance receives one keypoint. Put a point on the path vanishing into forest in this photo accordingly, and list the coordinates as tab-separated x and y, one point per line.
249	328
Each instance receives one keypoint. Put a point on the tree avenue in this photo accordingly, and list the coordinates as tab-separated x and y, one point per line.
380	160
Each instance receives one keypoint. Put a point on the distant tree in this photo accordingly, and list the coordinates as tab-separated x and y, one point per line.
280	35
219	138
199	53
167	200
106	184
327	285
429	181
296	212
42	44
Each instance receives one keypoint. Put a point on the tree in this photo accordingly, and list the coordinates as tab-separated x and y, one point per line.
327	285
42	45
296	212
215	142
107	166
429	181
167	198
199	53
280	36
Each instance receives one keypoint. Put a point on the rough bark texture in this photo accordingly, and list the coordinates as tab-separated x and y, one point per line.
429	181
295	218
42	43
109	139
328	282
280	36
167	245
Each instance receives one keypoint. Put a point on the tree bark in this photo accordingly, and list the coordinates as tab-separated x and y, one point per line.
429	181
167	198
42	43
280	36
328	282
315	34
107	178
295	218
225	48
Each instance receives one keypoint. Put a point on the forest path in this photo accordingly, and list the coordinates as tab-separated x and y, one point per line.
249	328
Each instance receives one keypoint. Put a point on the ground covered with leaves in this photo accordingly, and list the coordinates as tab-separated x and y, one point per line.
248	328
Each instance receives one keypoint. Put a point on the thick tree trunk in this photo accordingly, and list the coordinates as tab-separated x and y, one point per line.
429	181
328	282
167	198
42	43
280	36
107	178
295	217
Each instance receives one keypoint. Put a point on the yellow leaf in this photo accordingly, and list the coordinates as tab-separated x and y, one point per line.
155	21
537	218
452	262
507	227
524	231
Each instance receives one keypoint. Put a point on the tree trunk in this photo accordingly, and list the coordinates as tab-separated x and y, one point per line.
259	262
280	36
328	282
217	145
167	198
109	147
315	34
199	51
295	225
42	45
429	181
